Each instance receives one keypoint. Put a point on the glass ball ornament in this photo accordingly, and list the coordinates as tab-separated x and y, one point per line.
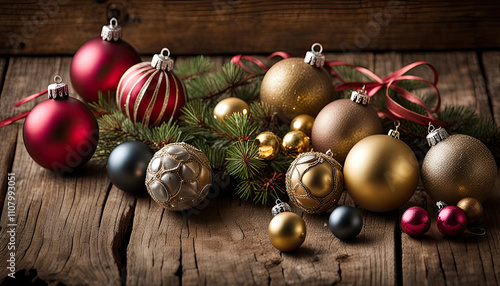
295	143
415	221
345	222
229	106
472	208
269	145
178	176
303	123
451	220
287	230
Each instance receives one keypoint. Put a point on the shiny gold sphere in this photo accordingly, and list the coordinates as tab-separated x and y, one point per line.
287	231
294	87
314	182
296	142
303	123
472	208
459	166
229	106
381	173
341	124
269	145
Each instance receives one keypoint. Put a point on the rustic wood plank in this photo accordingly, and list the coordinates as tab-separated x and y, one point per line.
222	26
491	63
9	134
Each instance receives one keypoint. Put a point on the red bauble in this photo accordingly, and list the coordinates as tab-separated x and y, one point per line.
415	221
452	221
60	134
150	93
99	64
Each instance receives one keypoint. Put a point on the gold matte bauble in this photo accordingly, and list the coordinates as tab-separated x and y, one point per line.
314	182
229	106
341	124
381	173
296	142
287	231
302	123
472	208
269	145
294	87
459	166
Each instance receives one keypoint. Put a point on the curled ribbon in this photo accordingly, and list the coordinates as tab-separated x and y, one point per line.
24	114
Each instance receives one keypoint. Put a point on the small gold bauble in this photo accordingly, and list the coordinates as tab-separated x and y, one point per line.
302	123
287	231
472	208
269	145
314	182
229	106
296	142
381	173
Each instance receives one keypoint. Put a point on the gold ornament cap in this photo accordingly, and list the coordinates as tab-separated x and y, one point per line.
360	96
58	89
111	32
162	61
436	135
314	57
280	207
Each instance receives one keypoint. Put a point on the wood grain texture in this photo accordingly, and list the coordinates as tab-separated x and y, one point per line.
491	63
251	26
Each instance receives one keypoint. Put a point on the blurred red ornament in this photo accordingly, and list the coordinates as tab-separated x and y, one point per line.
451	221
415	221
100	63
150	93
61	133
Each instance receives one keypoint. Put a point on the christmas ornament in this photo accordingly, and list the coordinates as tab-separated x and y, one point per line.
61	133
269	145
150	93
296	86
314	182
303	123
415	221
287	230
381	172
345	222
456	167
472	208
343	123
99	64
451	220
229	106
127	166
296	142
178	177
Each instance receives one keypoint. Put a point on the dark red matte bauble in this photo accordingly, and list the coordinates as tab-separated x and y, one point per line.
98	66
61	134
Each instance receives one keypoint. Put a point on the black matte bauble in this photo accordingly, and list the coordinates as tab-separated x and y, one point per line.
345	222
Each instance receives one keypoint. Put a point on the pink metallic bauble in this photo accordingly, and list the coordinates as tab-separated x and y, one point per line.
452	221
415	221
98	66
61	134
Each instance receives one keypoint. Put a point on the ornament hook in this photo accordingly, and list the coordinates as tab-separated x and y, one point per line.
315	58
57	78
165	52
478	231
431	127
317	45
329	153
394	132
113	23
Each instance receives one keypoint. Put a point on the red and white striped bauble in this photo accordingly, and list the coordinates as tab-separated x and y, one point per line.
150	93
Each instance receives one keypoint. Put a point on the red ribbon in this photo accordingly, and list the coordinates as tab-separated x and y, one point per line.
24	114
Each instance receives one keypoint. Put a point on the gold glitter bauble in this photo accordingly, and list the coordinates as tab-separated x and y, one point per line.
294	87
381	173
178	176
296	142
472	208
314	182
229	106
302	123
457	167
341	124
287	231
269	145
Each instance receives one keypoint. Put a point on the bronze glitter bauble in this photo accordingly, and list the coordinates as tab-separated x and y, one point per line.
472	208
296	142
381	173
269	145
343	123
229	106
287	231
456	167
178	177
314	182
302	123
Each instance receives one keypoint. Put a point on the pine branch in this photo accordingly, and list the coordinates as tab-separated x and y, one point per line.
194	68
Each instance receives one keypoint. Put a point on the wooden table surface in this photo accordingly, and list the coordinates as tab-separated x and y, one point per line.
80	229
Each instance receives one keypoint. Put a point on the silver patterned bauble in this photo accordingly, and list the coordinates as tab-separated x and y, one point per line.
179	176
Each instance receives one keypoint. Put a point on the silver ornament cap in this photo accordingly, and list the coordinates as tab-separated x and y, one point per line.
280	207
360	96
58	89
436	135
314	57
162	61
395	132
111	32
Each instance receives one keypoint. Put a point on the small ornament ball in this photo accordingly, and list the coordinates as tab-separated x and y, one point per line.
295	143
127	166
287	230
229	106
269	145
345	222
451	221
472	208
302	123
415	221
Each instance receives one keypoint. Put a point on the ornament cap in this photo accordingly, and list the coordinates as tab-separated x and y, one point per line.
360	96
440	205
436	135
394	132
58	89
111	32
162	61
280	207
315	57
